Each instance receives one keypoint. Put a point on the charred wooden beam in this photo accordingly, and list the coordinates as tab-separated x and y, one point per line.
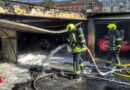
91	36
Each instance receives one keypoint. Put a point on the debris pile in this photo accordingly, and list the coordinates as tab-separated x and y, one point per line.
12	74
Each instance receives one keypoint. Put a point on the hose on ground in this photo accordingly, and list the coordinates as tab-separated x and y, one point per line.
125	67
101	73
112	70
43	76
62	46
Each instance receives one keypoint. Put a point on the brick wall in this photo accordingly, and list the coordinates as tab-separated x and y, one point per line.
96	7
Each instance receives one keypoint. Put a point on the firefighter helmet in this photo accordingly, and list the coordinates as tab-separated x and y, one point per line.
111	26
70	27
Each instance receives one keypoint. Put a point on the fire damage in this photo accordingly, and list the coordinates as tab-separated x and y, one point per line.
36	49
36	43
58	75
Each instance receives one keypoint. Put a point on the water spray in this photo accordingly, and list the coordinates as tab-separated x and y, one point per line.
45	63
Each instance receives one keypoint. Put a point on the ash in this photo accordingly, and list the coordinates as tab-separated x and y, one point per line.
12	74
36	58
19	73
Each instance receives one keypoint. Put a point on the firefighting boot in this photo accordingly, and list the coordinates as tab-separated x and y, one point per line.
82	68
77	77
108	64
118	63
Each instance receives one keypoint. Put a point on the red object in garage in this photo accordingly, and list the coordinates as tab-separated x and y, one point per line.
103	45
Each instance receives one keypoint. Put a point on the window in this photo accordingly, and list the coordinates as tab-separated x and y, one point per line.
89	7
75	9
65	8
70	8
85	8
80	9
96	7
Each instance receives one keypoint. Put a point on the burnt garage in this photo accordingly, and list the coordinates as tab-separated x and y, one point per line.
22	35
97	32
94	28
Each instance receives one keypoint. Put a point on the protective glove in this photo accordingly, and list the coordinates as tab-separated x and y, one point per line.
68	48
118	50
83	48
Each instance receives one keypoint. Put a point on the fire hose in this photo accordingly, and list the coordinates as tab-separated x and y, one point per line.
101	73
125	68
34	82
113	70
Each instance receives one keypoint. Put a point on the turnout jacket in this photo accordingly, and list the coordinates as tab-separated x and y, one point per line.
115	40
76	41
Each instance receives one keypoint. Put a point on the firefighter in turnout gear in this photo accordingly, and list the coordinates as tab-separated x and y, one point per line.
115	42
76	41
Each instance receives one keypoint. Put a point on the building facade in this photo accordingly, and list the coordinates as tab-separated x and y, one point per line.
86	7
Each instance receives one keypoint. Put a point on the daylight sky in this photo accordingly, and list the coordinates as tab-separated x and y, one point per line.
56	0
42	0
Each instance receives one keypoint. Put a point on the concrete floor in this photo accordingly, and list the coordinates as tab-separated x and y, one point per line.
16	75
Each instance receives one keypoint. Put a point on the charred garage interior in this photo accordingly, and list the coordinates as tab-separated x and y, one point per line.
44	40
100	31
101	34
50	31
33	53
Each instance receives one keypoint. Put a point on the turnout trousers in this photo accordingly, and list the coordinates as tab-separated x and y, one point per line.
112	54
78	63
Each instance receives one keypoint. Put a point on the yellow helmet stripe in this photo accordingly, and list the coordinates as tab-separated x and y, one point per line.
70	27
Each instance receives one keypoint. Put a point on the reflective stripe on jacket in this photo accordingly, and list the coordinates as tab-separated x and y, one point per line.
73	42
115	40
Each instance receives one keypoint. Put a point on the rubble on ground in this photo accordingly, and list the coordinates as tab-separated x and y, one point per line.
18	73
20	77
12	74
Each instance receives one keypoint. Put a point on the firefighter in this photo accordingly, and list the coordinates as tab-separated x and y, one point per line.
115	41
76	41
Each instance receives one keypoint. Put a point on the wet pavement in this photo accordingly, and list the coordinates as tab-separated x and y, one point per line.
22	75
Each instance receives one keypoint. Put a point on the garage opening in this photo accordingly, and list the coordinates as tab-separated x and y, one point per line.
36	41
101	38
